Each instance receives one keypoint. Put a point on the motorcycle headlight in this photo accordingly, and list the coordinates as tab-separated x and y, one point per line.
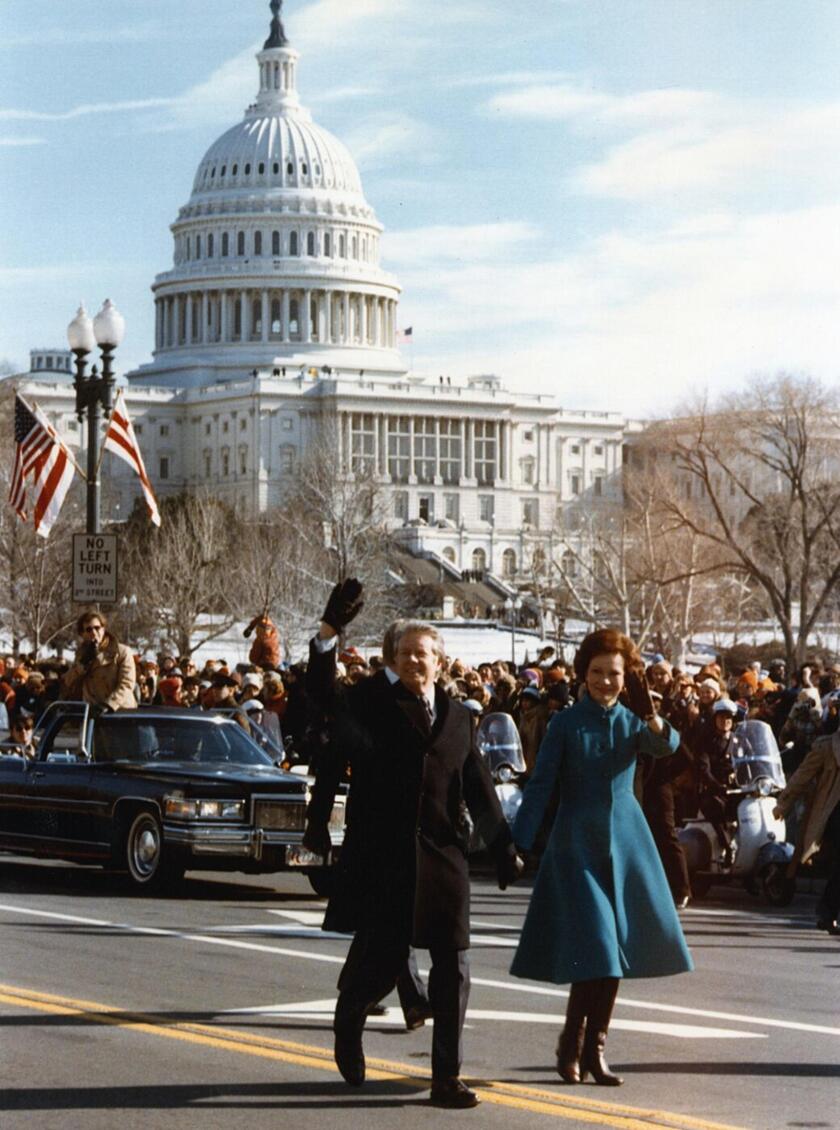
764	786
504	774
185	808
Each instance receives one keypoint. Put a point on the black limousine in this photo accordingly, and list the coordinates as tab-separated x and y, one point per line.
155	792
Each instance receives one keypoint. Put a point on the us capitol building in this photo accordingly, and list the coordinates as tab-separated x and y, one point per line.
277	324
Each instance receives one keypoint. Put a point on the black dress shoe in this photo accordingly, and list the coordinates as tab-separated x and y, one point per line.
377	1010
350	1057
452	1093
417	1015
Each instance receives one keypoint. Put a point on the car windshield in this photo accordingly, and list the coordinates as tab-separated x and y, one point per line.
138	738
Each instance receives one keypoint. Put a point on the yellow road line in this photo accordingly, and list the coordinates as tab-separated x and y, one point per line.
532	1099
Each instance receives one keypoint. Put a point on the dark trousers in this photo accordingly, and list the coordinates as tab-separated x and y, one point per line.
829	903
376	960
410	987
658	805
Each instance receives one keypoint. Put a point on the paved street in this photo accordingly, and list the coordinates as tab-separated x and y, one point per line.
212	1008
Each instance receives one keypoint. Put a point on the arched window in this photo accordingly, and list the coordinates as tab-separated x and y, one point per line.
198	247
449	554
189	248
479	560
355	248
240	244
276	318
237	318
569	564
310	243
293	243
225	244
538	561
261	168
258	243
327	244
210	246
275	243
509	563
342	245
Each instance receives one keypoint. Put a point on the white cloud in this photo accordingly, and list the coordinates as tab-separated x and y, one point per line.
383	136
229	89
328	22
629	322
21	142
85	110
64	37
442	243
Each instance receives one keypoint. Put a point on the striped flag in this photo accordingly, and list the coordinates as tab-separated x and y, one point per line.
406	336
42	457
121	440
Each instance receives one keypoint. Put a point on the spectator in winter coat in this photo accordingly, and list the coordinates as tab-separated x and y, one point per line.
265	650
104	671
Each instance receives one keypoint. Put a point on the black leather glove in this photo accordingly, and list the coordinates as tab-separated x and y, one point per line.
318	841
638	695
345	604
509	867
87	653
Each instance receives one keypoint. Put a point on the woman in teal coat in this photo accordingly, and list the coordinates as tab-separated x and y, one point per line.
601	908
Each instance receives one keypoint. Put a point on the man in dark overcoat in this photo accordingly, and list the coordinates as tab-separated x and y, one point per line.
402	876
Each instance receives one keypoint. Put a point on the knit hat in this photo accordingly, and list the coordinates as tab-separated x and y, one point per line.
750	678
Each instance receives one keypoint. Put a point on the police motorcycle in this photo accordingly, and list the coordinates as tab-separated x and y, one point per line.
500	747
758	856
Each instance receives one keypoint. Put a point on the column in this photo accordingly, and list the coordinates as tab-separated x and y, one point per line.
322	301
376	442
412	477
166	321
376	320
157	323
561	451
348	440
584	464
503	465
469	449
205	307
438	475
224	329
306	315
245	299
188	320
363	320
383	445
266	314
538	475
462	437
549	460
345	337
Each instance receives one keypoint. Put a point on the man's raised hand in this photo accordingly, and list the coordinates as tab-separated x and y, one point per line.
344	604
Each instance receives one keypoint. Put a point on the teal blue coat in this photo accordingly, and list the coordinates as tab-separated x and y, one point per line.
601	905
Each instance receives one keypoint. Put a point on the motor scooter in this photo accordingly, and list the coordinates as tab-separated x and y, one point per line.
758	857
501	749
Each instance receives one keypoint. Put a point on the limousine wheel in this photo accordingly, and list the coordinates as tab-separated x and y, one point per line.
143	849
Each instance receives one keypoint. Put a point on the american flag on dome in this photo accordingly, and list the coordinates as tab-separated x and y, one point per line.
121	440
40	456
406	336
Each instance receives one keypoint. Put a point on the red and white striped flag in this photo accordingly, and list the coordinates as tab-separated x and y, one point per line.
406	336
121	440
41	456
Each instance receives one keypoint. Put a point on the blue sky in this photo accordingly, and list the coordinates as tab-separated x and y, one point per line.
623	202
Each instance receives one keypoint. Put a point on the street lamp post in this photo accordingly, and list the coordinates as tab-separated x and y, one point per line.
512	606
94	393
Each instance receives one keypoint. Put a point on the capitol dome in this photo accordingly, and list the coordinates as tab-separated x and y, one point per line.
277	252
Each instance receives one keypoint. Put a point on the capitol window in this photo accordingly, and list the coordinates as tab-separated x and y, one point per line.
243	424
598	486
450	450
225	462
243	461
401	505
486	507
210	246
327	244
234	170
310	243
479	561
164	429
198	247
276	319
290	169
287	460
275	168
530	512
425	444
208	464
247	170
485	451
509	563
207	429
399	448
261	168
226	426
362	441
224	170
342	246
293	243
163	467
258	243
225	244
286	423
240	244
275	243
451	507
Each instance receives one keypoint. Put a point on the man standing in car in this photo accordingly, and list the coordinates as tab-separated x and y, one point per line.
104	672
402	875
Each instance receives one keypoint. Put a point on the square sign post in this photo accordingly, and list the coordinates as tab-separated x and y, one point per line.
95	568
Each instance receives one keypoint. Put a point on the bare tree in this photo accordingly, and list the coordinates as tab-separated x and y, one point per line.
755	480
181	573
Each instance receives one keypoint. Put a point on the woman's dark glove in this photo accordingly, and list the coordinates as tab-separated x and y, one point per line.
345	604
638	695
509	867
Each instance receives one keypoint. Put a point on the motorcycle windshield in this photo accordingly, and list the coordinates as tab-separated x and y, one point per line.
756	754
499	743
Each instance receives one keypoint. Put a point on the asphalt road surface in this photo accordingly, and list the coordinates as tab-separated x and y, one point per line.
212	1008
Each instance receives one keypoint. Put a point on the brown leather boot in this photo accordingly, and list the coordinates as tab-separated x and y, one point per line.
604	992
570	1043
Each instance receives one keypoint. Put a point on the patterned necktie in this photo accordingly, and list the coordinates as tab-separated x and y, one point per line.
427	711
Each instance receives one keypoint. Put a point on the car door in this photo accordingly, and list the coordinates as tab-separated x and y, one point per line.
15	784
60	797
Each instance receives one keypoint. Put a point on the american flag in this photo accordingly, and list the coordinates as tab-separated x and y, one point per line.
121	440
406	336
41	456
